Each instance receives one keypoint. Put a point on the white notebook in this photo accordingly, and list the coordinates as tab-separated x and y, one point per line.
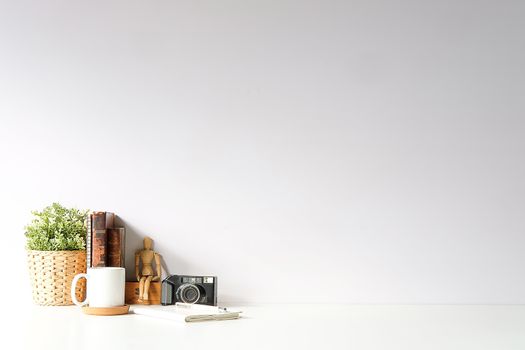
187	312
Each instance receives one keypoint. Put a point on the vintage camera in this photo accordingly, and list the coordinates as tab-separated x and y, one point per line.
189	289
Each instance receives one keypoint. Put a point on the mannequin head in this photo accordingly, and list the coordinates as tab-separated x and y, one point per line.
148	243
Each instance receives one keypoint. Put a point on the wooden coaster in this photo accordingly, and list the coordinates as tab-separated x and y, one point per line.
106	311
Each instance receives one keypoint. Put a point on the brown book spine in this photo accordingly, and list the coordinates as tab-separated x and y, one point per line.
99	242
110	220
116	246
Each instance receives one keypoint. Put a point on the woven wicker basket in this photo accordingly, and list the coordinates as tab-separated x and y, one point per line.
51	273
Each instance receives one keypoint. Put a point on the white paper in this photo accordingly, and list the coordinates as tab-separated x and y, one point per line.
186	314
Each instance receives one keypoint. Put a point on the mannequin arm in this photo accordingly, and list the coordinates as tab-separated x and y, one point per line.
159	268
137	257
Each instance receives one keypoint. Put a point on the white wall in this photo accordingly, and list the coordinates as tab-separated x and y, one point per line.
324	151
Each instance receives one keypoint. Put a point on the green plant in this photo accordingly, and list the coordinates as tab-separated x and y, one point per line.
57	228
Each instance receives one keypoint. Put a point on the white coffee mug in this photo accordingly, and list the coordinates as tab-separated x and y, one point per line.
105	287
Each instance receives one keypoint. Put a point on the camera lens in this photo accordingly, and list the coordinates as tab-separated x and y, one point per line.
188	293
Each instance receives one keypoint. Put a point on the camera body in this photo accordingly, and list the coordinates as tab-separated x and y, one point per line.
189	289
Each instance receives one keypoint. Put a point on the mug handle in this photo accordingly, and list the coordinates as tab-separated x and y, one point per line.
74	287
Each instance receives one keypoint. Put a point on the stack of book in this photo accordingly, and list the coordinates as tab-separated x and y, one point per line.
105	243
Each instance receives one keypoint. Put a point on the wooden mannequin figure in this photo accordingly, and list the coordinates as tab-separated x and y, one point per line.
146	275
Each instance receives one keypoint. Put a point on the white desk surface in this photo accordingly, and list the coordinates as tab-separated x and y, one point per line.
277	327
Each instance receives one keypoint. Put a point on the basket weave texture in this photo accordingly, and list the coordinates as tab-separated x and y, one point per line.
51	273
